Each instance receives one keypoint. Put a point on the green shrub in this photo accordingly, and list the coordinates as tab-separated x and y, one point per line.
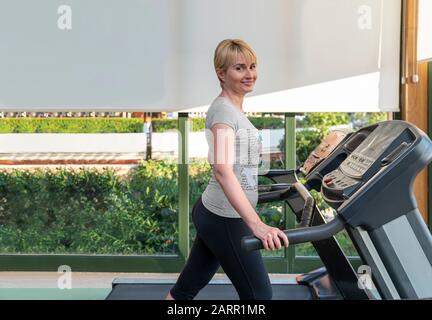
323	120
198	124
320	121
163	125
267	122
96	211
110	125
87	211
71	125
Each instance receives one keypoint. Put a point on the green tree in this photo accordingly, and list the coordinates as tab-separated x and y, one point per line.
321	121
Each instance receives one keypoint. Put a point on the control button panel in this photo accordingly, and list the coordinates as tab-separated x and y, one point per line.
337	186
338	180
356	165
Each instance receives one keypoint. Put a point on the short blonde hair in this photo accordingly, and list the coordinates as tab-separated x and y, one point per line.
227	51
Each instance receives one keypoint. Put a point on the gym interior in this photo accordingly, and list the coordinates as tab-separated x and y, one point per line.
355	202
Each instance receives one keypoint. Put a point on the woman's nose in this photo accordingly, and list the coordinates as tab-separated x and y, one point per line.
250	73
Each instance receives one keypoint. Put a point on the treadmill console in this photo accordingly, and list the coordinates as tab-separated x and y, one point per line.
382	145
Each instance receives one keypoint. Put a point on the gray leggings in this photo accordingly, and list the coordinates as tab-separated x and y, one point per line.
217	243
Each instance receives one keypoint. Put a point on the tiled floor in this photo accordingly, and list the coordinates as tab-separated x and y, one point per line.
84	286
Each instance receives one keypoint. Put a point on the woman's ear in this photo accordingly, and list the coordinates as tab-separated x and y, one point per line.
221	75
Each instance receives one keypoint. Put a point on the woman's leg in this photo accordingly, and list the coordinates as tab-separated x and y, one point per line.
251	280
196	274
200	267
246	270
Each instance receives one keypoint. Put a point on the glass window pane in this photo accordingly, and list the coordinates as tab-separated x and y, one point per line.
88	187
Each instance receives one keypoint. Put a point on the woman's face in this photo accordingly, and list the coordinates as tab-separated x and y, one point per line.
240	77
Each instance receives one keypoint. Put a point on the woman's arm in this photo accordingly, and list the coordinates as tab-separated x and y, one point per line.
224	157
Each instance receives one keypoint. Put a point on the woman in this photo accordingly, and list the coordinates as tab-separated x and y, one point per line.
226	210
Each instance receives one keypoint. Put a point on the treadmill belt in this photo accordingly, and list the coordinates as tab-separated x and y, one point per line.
216	291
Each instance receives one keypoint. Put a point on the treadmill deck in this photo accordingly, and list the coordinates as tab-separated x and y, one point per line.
141	289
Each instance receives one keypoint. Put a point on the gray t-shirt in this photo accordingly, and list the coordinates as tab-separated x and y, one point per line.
246	162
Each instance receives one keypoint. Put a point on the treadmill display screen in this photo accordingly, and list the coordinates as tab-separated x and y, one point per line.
379	140
370	150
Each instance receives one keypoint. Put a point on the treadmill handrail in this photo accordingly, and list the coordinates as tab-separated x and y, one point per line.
277	172
273	187
308	206
272	196
300	235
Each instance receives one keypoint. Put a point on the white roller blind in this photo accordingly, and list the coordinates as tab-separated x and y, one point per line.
424	43
157	55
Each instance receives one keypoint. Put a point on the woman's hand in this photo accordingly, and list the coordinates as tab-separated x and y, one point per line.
270	236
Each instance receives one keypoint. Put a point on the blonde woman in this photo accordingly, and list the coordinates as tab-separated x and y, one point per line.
226	210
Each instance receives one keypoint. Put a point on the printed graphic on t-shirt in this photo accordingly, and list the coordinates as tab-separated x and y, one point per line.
249	178
247	147
248	157
260	147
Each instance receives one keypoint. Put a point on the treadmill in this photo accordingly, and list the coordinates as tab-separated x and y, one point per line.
372	191
353	172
